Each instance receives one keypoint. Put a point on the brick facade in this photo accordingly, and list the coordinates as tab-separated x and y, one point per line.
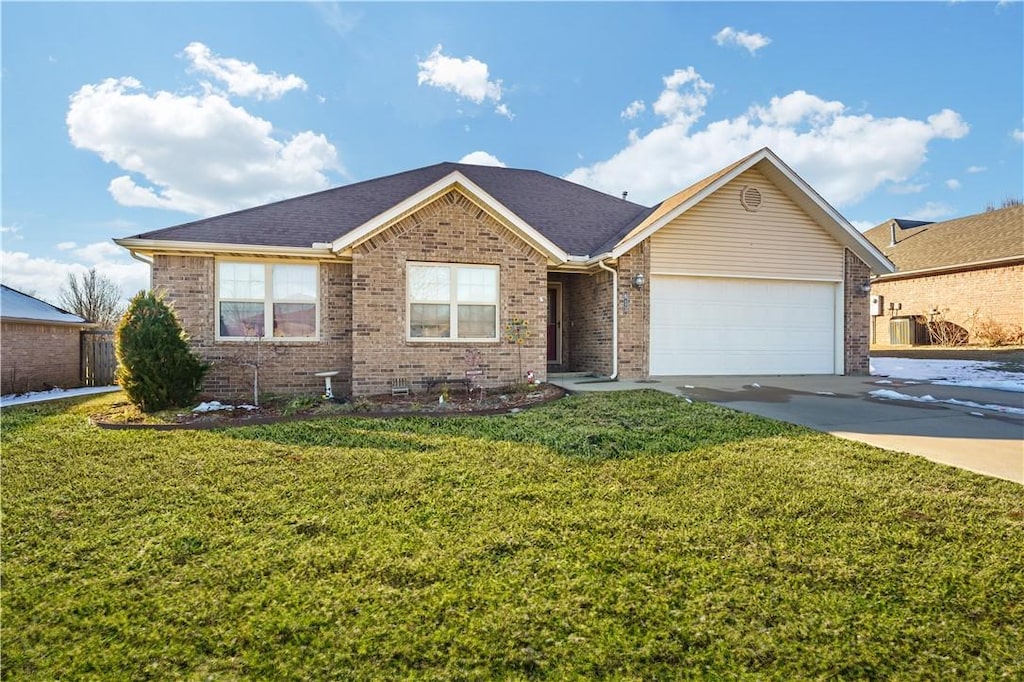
995	293
285	367
35	357
451	229
856	318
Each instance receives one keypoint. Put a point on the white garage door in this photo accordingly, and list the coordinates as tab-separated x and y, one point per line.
717	325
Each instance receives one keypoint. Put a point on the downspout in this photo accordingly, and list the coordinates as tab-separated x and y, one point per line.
615	318
147	261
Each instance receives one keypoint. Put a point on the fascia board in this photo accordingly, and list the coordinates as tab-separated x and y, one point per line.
148	247
459	181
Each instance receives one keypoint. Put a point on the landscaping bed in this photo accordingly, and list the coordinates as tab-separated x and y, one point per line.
119	413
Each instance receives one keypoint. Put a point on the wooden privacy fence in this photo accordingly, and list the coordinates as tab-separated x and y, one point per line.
98	361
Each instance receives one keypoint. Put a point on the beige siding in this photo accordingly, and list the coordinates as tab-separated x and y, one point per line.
719	237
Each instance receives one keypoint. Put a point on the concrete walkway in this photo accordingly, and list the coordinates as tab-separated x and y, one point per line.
983	441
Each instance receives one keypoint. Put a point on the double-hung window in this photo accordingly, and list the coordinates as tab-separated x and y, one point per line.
266	300
452	301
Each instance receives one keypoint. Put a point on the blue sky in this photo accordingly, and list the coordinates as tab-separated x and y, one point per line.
125	117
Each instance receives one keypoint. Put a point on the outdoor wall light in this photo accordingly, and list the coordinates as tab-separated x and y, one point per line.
638	280
865	288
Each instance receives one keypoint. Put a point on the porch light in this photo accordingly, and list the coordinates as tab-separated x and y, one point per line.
639	280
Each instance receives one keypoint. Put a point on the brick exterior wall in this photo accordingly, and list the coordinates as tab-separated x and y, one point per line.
34	357
996	293
634	313
451	229
286	367
856	318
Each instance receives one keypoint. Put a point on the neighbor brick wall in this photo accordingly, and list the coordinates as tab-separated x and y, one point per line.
286	367
856	318
451	229
38	356
996	293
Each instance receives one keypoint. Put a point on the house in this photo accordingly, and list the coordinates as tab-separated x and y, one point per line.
967	270
40	344
747	271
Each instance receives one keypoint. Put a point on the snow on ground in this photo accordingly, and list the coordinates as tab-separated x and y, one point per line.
52	394
973	373
889	394
216	405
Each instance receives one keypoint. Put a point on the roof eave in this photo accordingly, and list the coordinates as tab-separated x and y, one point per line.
59	323
941	269
149	247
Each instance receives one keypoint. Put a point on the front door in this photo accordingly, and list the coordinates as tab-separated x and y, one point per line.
554	324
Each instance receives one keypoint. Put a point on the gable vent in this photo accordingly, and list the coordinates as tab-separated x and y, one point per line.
750	198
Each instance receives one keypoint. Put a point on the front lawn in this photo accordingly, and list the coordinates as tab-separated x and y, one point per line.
625	535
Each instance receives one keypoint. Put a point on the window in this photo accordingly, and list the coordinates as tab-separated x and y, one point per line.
256	297
452	301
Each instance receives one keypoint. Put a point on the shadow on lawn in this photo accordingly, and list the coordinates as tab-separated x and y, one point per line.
591	426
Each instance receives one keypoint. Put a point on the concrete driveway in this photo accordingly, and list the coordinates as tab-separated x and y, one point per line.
980	440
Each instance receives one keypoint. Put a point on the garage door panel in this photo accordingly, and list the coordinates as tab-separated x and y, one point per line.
741	326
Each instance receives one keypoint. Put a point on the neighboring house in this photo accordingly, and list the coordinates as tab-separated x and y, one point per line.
748	271
968	270
40	344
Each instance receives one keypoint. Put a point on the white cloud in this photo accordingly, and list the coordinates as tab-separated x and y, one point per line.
504	111
66	246
752	42
1018	135
977	169
11	231
683	108
469	78
635	108
933	210
953	184
481	158
197	154
337	17
45	276
843	155
864	225
241	78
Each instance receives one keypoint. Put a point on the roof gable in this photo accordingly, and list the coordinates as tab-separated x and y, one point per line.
974	239
780	175
14	305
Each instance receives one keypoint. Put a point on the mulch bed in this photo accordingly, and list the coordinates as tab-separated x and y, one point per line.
376	407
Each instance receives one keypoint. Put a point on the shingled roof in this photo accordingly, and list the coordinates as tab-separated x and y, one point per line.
981	238
575	218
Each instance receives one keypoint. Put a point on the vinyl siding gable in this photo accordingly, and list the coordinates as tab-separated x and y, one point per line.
719	237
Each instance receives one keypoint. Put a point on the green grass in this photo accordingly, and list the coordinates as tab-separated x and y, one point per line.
625	535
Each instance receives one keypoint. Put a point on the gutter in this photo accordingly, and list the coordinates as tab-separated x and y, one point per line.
615	318
943	269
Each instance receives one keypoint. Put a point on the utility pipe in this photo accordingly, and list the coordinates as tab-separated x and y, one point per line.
615	318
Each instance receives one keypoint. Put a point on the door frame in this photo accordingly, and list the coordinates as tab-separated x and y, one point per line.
556	288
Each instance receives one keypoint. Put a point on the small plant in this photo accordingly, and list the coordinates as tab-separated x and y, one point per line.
992	333
298	404
517	331
156	367
943	332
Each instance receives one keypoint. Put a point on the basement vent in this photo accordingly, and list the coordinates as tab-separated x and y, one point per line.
750	198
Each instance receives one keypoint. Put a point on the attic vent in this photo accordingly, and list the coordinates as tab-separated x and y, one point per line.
750	198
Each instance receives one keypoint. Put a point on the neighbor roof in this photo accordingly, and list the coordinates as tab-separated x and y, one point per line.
15	305
981	238
576	218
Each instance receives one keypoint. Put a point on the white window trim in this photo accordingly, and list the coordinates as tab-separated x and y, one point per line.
453	304
268	301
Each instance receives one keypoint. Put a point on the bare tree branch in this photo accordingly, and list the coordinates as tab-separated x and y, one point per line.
92	296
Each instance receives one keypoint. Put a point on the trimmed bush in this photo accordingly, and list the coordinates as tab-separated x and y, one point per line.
156	368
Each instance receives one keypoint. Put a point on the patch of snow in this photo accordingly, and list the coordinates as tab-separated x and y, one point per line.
689	401
756	385
216	405
688	386
825	393
53	394
977	414
888	394
973	373
883	381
